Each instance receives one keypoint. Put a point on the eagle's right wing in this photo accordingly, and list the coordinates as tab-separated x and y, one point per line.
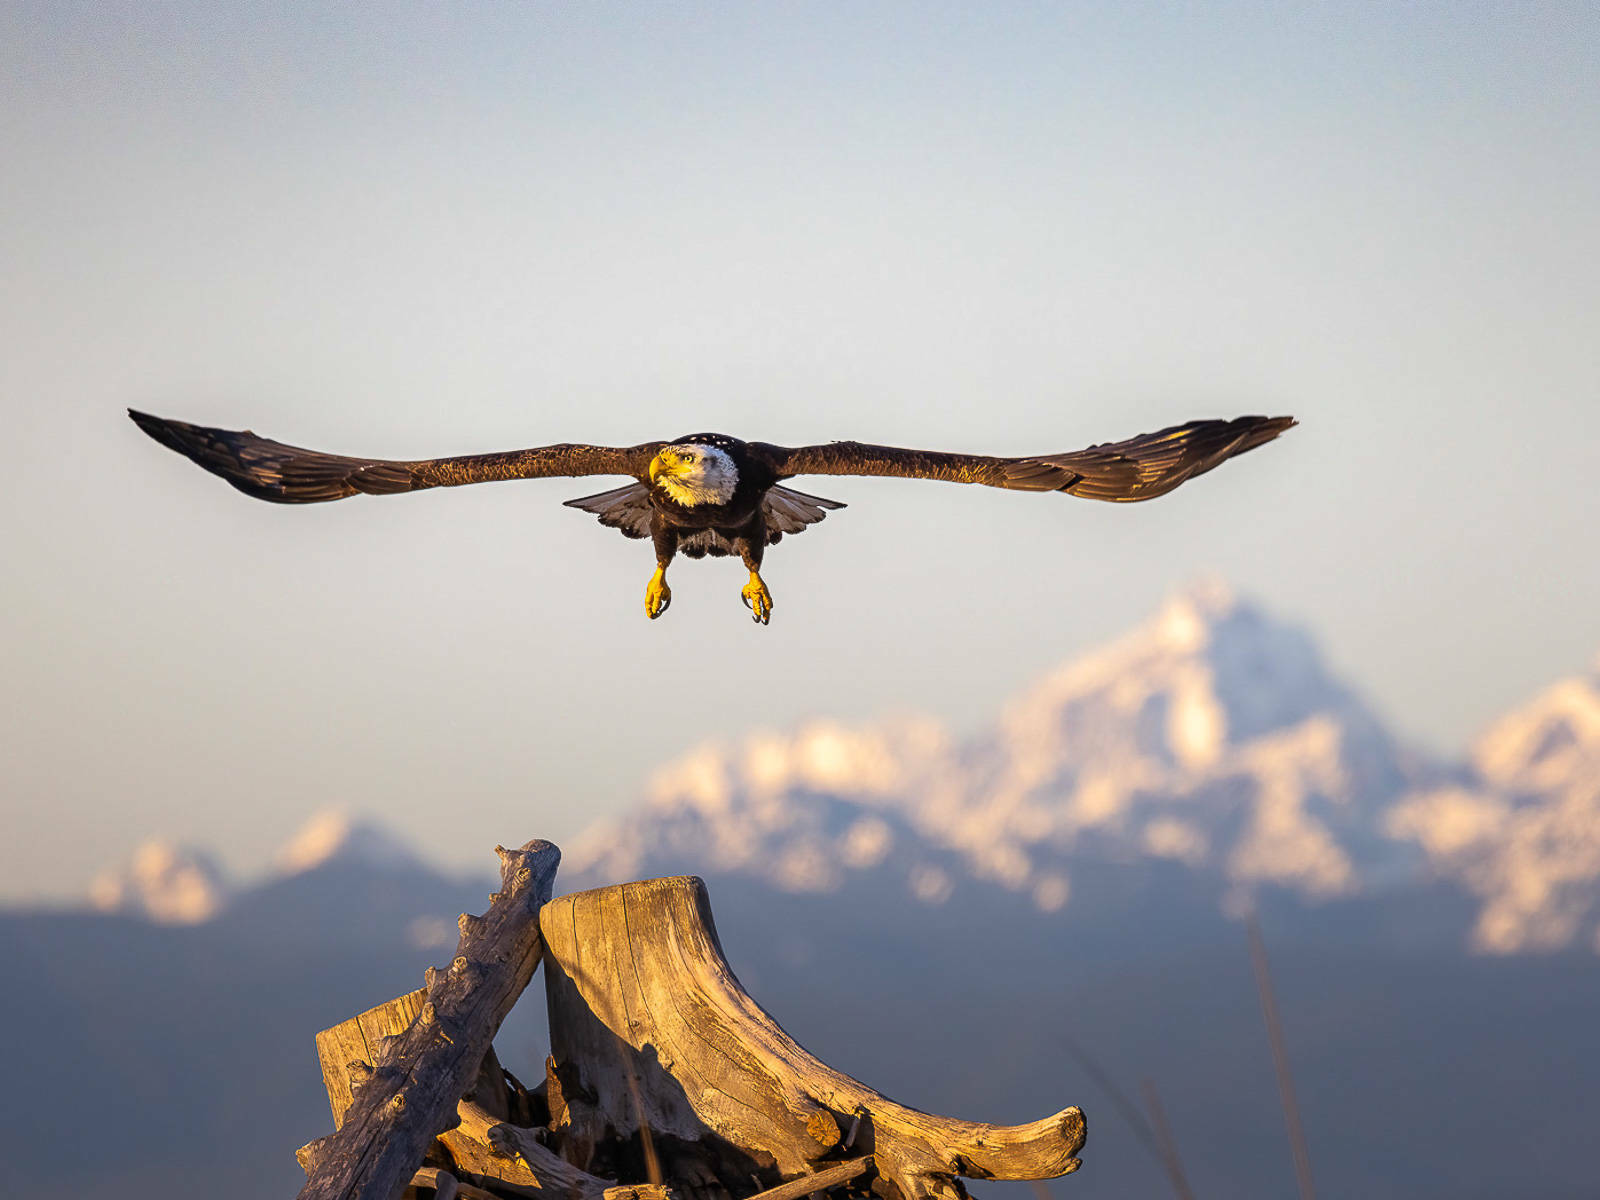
1139	468
284	474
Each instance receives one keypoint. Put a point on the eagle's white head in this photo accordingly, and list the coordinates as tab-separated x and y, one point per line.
695	473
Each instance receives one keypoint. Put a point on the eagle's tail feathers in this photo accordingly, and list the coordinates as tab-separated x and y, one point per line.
626	508
788	511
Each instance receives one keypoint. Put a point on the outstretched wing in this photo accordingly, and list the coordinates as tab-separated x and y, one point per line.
1140	468
783	510
284	474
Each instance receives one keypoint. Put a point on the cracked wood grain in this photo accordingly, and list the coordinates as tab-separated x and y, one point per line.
644	1006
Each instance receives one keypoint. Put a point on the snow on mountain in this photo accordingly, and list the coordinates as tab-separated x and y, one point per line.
803	808
334	835
1212	734
1547	745
164	882
173	884
1523	833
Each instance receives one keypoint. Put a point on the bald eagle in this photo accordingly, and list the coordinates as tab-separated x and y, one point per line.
707	493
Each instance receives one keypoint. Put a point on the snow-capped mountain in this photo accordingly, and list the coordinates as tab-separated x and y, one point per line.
174	884
1213	735
163	881
335	835
1523	830
803	809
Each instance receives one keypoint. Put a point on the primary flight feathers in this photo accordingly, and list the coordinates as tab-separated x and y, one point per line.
708	493
284	474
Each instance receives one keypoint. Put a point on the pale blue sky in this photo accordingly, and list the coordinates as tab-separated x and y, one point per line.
427	229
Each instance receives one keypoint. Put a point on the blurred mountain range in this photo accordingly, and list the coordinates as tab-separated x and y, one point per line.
1214	736
952	920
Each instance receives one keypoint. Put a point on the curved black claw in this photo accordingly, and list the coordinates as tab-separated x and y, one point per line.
758	600
657	597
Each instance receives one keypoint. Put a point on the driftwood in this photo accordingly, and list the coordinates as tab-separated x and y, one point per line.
513	1159
419	1077
828	1177
348	1051
663	1045
663	1071
484	1144
510	1157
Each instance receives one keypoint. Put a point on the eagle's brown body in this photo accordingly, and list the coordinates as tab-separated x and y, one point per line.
709	493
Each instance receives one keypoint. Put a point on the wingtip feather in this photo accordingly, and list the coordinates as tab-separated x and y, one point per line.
168	432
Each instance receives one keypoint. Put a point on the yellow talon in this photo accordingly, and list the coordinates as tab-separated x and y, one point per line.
658	595
757	599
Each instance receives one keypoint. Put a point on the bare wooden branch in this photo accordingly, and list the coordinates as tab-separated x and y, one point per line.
828	1177
420	1076
650	1020
309	1155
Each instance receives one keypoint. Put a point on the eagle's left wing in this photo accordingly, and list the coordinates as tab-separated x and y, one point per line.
1140	468
284	474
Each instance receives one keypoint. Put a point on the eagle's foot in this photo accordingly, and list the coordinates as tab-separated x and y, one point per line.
757	599
657	596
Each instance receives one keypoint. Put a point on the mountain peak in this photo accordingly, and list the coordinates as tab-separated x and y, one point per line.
164	881
1548	742
336	835
1212	734
1190	615
1524	836
1207	672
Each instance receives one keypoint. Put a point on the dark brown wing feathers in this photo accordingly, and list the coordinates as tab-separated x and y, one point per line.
1140	468
286	474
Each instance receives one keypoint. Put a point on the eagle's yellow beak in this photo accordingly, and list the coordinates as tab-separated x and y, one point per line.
666	462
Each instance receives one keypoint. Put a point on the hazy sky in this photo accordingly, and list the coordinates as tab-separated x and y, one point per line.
428	229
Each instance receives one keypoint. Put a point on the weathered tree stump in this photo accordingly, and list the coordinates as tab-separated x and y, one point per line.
655	1031
664	1074
348	1051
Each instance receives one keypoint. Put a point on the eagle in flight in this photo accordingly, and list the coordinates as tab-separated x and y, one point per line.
708	493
